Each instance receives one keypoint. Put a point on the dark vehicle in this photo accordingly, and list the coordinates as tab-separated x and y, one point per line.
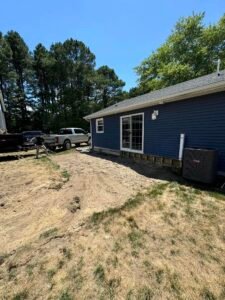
28	135
10	142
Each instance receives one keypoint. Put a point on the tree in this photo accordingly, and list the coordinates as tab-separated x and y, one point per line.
7	80
42	65
190	51
21	65
108	86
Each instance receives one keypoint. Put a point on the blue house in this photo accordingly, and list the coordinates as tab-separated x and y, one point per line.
159	124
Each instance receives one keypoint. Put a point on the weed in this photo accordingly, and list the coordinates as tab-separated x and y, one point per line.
65	296
21	296
146	263
111	287
136	239
144	293
174	283
60	264
77	278
49	233
65	175
207	294
29	269
117	247
113	261
99	274
132	222
159	275
51	273
67	253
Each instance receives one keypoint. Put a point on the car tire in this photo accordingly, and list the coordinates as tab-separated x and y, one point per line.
67	145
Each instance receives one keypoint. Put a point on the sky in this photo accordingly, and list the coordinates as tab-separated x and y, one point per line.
121	33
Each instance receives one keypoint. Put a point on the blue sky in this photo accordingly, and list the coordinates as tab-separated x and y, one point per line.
121	33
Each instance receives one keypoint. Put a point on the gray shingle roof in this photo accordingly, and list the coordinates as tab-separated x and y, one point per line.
195	87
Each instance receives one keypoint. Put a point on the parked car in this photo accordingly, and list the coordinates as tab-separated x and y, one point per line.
28	135
66	138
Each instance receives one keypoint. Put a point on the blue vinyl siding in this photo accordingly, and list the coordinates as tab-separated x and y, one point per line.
202	120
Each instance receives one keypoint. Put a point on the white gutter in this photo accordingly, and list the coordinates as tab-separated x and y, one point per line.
200	91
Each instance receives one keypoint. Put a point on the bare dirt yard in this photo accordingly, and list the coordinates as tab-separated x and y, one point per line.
82	226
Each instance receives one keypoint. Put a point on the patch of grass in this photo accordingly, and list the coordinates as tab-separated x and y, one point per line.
136	238
113	261
51	273
111	287
131	203
77	278
117	247
60	264
65	296
99	274
29	269
216	195
207	294
159	275
175	283
21	296
144	293
48	162
67	253
49	233
157	190
65	175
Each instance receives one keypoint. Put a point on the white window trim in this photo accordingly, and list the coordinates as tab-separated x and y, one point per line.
143	128
96	125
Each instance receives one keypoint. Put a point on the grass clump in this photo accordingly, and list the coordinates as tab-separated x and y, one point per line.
21	296
65	296
65	175
136	239
49	233
51	273
67	253
99	274
207	294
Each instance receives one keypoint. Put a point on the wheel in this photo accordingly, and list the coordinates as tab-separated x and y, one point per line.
67	145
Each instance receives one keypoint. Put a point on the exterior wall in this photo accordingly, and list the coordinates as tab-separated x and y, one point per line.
201	119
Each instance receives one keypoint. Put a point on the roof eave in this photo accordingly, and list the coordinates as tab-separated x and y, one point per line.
209	89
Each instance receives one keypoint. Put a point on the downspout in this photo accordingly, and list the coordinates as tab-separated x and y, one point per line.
181	149
91	132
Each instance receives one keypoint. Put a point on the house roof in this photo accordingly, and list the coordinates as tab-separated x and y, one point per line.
203	85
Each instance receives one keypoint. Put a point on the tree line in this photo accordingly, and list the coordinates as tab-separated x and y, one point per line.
52	88
190	51
48	89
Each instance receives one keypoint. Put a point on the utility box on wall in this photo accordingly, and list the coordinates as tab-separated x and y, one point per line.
200	165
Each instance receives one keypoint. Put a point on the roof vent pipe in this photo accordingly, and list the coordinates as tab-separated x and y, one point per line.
218	67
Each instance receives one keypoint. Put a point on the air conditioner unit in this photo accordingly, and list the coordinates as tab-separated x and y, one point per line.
200	165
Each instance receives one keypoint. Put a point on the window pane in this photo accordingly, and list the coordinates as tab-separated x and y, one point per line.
126	132
137	132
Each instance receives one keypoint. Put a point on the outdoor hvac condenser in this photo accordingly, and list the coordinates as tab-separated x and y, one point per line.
200	164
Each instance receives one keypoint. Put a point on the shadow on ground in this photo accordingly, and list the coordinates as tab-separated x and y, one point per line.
147	169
